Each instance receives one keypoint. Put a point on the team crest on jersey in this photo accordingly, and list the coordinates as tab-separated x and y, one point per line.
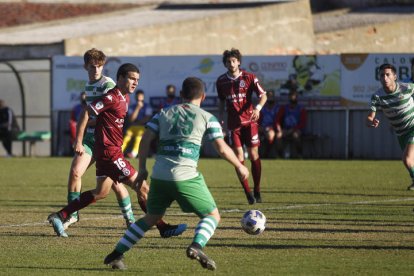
99	105
242	83
109	97
126	172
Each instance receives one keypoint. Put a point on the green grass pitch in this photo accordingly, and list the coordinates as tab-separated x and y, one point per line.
323	218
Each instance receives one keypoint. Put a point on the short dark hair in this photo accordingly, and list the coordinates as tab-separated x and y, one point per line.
192	88
125	68
387	66
233	52
139	91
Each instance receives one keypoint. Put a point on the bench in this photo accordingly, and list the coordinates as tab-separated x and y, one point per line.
314	143
32	138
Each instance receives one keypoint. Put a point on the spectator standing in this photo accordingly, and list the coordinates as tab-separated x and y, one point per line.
290	125
138	115
171	98
8	127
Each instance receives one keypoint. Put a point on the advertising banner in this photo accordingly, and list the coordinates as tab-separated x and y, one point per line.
359	76
317	78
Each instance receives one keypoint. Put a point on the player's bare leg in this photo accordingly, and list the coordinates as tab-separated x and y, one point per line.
80	163
103	187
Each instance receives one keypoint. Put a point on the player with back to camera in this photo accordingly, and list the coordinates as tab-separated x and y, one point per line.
111	165
235	89
396	101
179	131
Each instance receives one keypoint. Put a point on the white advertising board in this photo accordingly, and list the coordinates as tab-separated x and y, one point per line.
317	77
360	74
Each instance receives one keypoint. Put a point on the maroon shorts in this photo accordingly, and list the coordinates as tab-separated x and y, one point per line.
246	135
114	165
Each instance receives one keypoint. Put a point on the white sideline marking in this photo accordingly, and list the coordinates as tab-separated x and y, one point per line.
299	206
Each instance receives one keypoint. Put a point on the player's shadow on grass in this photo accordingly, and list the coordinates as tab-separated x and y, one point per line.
71	268
330	230
344	222
326	193
324	246
321	230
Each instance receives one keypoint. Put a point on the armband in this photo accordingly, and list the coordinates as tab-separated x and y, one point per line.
258	107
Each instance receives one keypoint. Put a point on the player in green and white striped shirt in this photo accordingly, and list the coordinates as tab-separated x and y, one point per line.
179	130
396	101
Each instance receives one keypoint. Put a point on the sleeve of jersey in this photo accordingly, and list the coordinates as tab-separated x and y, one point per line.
213	130
411	88
101	104
374	102
153	124
108	86
258	88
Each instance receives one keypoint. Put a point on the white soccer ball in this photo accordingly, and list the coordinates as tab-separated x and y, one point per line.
253	222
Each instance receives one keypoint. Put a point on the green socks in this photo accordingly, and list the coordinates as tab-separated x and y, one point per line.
134	233
71	197
204	230
126	208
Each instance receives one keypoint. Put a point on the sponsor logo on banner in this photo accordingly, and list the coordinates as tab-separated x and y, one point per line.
206	65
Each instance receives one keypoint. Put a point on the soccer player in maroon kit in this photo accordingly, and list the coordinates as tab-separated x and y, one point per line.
111	165
235	89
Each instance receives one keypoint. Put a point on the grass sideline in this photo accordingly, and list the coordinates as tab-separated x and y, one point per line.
323	218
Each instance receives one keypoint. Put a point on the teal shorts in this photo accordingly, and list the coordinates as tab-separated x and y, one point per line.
191	195
88	143
406	139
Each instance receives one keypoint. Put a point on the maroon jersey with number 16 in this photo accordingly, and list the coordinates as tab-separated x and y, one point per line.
111	110
237	92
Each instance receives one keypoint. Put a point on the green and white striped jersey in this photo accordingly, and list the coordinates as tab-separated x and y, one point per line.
398	106
95	90
180	129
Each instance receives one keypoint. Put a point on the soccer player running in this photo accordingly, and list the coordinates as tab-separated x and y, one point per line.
179	130
396	101
235	89
111	165
98	85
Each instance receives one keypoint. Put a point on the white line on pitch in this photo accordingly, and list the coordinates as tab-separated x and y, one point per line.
238	210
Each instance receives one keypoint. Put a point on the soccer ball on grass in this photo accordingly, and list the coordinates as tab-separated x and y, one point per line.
253	222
